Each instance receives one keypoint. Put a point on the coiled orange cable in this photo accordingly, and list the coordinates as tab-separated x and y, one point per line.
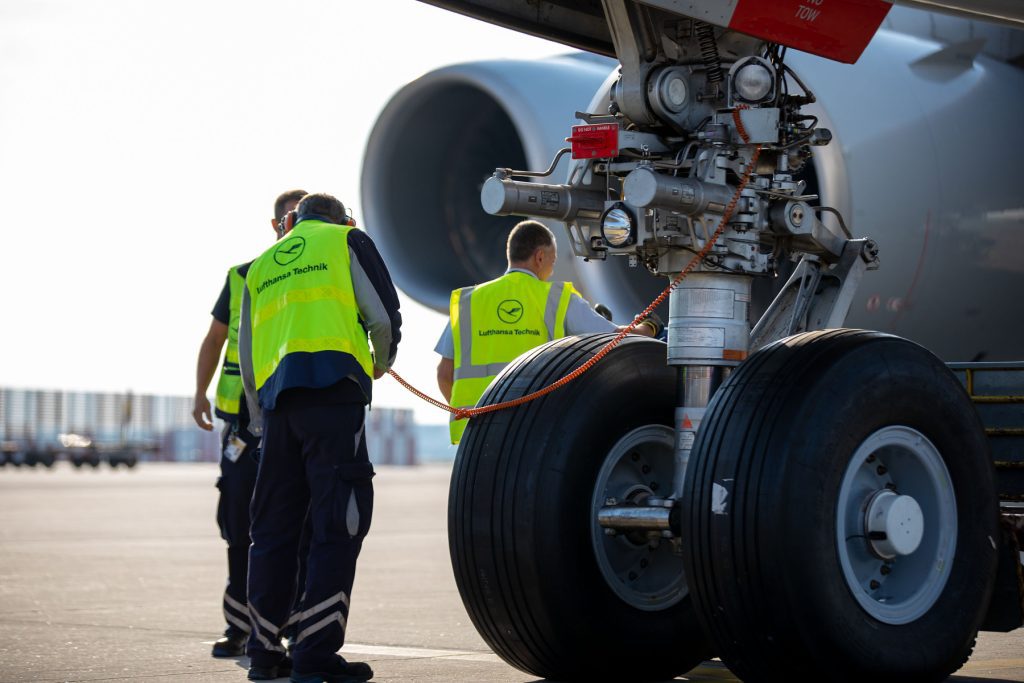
461	413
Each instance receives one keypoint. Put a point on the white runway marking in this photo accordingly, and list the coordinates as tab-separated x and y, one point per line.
392	651
412	652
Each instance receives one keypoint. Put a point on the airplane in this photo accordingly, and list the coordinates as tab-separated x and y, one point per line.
772	486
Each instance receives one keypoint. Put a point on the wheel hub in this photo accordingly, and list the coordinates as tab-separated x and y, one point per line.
636	563
894	524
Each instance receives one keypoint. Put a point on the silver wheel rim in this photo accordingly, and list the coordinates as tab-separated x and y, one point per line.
896	589
644	575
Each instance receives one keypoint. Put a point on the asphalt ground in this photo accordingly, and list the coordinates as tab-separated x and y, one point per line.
114	575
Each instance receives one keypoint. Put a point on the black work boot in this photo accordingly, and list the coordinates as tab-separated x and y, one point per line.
231	645
269	673
340	671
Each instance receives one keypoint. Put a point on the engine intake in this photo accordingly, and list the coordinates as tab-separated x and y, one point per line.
439	139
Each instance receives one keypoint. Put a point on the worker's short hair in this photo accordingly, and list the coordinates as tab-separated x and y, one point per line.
284	199
323	205
525	239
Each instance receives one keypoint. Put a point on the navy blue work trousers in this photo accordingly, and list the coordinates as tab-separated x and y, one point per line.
314	459
236	483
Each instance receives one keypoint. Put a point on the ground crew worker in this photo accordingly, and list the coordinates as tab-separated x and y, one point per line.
307	368
494	322
237	465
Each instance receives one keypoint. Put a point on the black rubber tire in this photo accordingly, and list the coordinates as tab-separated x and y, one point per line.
766	577
519	518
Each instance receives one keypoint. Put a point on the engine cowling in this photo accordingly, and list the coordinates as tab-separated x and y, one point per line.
436	142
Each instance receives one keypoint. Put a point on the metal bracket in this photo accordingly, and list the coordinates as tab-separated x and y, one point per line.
636	49
816	297
797	220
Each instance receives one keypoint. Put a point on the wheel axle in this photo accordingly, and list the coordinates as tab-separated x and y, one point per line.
658	515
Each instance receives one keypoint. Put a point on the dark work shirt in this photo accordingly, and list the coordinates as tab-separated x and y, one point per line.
222	309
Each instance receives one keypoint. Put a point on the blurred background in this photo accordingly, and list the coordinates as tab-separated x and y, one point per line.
143	145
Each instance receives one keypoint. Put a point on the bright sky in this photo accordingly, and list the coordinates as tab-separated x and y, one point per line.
142	145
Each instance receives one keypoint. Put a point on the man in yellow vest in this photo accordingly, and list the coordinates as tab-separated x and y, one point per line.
237	466
307	367
494	322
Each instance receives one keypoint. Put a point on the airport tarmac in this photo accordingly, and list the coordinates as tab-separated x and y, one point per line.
114	575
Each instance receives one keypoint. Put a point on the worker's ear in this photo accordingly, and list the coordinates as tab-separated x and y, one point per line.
286	224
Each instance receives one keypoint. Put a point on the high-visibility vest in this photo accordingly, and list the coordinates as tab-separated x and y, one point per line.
495	322
229	384
302	300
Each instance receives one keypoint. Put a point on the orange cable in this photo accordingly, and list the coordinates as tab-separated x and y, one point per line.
461	413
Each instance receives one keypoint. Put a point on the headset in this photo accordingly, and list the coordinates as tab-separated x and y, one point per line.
291	218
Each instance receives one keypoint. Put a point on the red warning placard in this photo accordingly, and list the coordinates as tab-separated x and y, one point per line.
837	29
595	141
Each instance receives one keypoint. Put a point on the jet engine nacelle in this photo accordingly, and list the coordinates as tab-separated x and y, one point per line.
923	160
437	141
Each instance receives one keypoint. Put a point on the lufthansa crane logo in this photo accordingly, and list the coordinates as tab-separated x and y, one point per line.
289	250
510	311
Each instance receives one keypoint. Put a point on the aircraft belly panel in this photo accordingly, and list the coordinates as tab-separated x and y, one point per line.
923	153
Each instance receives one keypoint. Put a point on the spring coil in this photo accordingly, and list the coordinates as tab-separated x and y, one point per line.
709	51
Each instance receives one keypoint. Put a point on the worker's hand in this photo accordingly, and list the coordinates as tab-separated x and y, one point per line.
652	326
379	372
201	413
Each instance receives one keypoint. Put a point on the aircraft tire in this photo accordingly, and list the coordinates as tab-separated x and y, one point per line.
522	522
805	442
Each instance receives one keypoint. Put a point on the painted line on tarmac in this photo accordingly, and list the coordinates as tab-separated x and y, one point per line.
412	652
707	671
419	652
993	664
